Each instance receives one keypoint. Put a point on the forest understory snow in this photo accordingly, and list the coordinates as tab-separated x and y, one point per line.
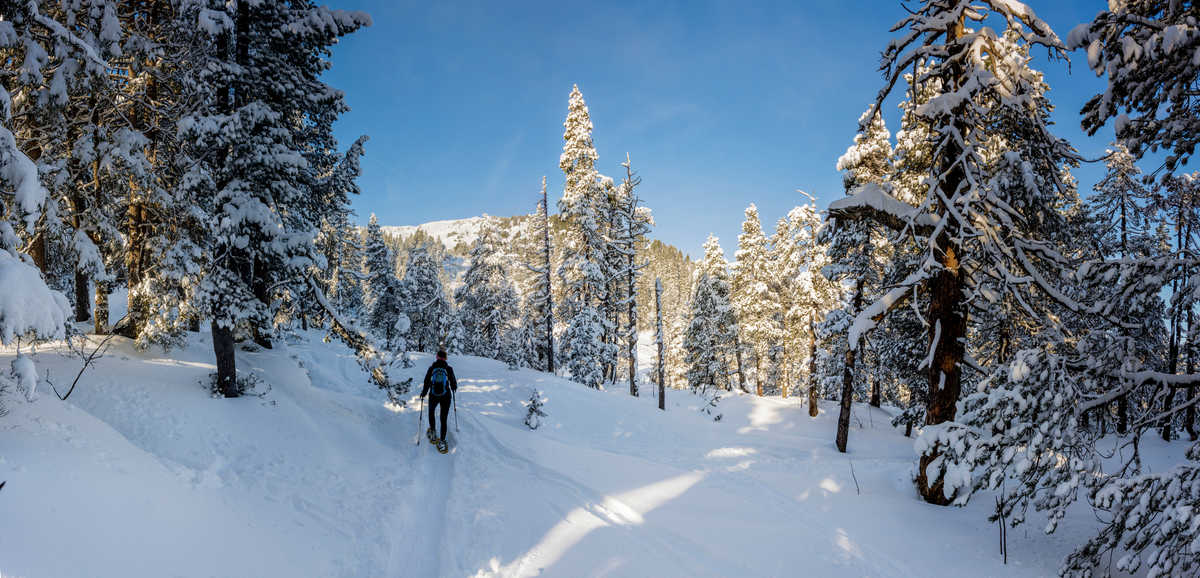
141	472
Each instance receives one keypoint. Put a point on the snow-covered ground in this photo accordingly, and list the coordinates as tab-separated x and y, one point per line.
142	473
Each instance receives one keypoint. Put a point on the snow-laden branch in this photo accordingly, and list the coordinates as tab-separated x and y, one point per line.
368	356
869	317
871	202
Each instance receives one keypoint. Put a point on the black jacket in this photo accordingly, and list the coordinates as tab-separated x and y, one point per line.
429	374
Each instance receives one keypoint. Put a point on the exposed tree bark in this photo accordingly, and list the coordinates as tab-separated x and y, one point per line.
662	374
83	294
737	348
949	317
631	282
37	250
813	410
260	331
1189	416
785	378
947	311
100	316
546	278
222	338
843	425
137	217
876	394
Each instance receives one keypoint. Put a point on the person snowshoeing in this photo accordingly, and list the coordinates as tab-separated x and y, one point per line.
440	385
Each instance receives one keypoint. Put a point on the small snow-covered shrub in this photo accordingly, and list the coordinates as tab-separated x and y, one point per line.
247	384
25	374
534	414
710	405
398	390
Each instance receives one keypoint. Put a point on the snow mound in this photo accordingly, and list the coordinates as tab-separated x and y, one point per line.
27	305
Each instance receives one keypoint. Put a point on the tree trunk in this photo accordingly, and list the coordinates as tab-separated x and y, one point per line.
876	394
737	349
945	374
758	374
547	280
136	226
1123	401
632	339
101	314
1168	395
37	251
222	338
785	373
1189	415
83	294
947	311
260	332
662	375
137	218
1122	414
843	425
813	410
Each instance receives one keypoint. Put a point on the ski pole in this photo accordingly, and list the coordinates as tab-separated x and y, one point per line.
454	401
419	416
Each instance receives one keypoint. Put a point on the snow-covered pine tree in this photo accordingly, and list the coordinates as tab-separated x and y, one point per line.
805	294
92	155
584	269
898	344
535	413
855	249
529	338
434	322
753	296
382	299
31	37
1144	50
1177	207
166	80
540	306
674	269
246	151
487	301
1118	206
709	339
337	241
965	222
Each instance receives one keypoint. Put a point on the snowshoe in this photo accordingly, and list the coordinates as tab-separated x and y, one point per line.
429	435
441	446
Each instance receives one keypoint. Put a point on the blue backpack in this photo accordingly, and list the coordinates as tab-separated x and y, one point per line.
440	380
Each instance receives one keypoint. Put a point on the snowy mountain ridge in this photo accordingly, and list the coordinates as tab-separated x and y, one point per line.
450	232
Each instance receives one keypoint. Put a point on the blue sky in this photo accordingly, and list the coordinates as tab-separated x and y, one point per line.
719	104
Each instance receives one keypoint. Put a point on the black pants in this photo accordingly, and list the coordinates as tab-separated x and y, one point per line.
444	402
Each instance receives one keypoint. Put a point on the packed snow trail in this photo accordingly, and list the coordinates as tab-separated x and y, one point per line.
142	473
